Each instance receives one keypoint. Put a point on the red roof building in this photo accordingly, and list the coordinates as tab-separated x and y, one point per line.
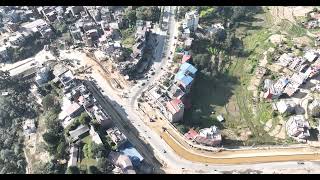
175	109
185	58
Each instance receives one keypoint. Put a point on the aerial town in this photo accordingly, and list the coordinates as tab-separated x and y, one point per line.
159	89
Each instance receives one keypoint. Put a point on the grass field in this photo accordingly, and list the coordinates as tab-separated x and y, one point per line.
227	94
86	162
128	37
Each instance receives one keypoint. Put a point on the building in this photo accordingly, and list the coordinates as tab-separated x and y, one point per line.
175	110
34	26
284	106
42	76
29	127
121	161
314	108
191	20
185	75
103	118
298	128
214	28
78	133
311	56
275	90
175	91
95	136
295	82
209	136
116	136
128	150
285	59
17	39
188	43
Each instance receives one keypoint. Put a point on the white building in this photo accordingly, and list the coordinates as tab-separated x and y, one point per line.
311	56
298	128
29	127
42	76
284	106
191	20
17	40
312	106
116	136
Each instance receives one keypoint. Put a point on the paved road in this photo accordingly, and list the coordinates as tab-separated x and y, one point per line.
122	123
166	47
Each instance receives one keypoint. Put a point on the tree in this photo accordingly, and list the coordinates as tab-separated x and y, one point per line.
315	112
48	101
93	170
131	16
73	170
104	166
51	138
84	118
148	13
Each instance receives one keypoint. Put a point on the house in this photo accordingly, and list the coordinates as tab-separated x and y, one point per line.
209	136
314	108
317	41
128	150
29	127
185	58
285	59
95	136
184	77
78	133
277	88
42	76
188	43
295	82
34	26
175	91
73	160
186	33
175	110
75	10
17	39
191	20
121	161
214	28
297	64
220	118
116	136
184	81
284	106
188	69
12	27
311	56
103	118
298	128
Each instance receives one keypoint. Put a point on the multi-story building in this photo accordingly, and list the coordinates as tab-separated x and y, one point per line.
191	20
175	110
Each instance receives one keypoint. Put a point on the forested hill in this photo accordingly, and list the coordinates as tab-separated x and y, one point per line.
14	109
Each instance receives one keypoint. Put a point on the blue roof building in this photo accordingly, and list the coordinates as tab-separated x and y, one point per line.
132	153
186	67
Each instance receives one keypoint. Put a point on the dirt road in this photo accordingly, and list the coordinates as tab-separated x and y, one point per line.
296	155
